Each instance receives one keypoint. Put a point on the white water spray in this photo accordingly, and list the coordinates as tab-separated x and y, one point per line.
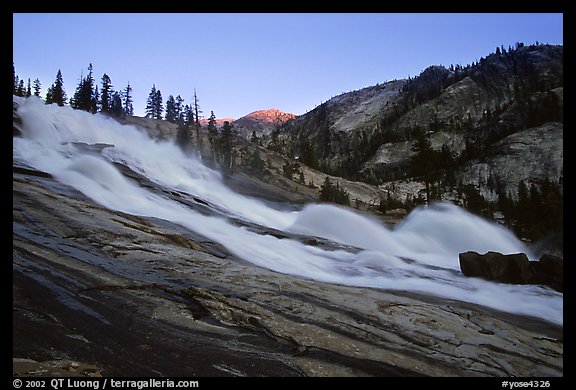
421	254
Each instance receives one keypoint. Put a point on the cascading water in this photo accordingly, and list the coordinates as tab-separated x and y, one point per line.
420	254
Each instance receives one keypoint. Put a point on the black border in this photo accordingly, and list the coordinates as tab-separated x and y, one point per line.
414	6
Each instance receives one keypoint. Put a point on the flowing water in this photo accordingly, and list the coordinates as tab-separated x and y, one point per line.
420	254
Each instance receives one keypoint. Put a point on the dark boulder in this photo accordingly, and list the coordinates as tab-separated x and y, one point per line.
496	266
514	268
549	271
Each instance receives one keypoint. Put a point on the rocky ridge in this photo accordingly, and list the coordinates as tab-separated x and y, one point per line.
501	116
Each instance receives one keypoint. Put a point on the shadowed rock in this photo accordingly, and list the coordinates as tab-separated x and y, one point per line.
513	268
549	271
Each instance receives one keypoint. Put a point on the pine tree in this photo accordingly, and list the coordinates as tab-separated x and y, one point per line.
506	205
197	112
182	135
95	101
522	209
36	85
115	108
227	145
106	95
274	143
85	98
179	107
288	170
552	207
151	103
56	93
341	196
333	193
213	134
188	115
535	217
522	192
20	91
28	89
256	164
474	200
424	161
16	84
326	191
158	106
170	110
128	107
14	80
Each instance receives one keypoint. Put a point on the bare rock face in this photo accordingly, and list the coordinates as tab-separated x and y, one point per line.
514	268
532	155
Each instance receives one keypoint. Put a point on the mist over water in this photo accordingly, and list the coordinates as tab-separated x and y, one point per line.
420	254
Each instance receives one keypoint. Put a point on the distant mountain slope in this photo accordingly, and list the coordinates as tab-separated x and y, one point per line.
219	121
263	122
368	134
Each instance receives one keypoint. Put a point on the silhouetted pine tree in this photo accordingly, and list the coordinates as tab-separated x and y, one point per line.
171	110
85	98
14	80
188	115
474	200
36	85
178	106
20	91
552	213
158	106
227	145
183	134
116	108
424	162
128	106
95	100
151	103
522	209
28	89
196	108
56	93
213	134
107	91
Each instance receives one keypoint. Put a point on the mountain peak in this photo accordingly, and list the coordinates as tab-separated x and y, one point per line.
268	116
262	122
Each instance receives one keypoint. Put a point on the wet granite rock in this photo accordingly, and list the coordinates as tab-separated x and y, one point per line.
53	368
136	297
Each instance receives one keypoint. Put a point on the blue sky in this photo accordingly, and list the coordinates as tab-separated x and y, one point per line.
241	63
